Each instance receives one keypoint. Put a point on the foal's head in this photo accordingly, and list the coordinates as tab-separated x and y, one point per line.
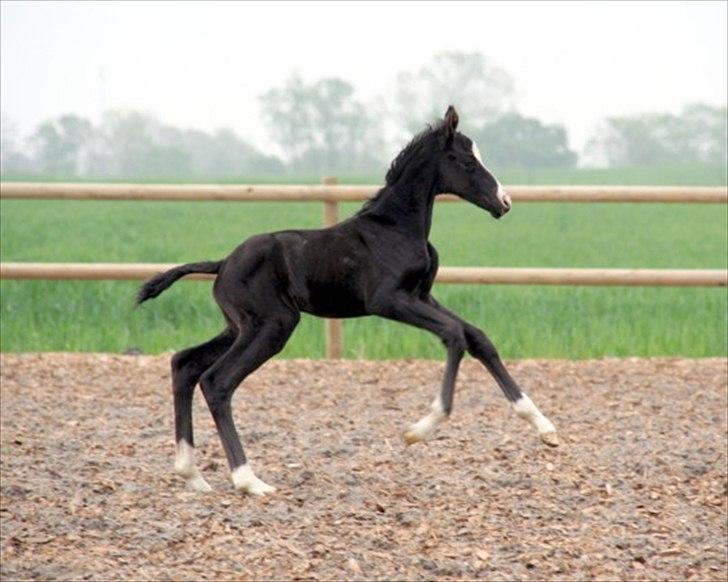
461	170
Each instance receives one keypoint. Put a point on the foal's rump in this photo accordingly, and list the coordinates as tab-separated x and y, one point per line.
255	280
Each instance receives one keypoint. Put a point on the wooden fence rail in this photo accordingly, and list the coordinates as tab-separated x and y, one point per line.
329	191
331	194
461	275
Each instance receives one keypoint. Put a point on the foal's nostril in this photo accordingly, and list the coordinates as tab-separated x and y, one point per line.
506	201
503	198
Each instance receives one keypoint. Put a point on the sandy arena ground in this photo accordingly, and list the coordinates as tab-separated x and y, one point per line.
637	489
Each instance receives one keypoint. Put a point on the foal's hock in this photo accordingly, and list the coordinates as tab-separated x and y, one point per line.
378	262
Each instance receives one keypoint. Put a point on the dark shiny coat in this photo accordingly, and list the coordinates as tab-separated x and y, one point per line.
378	262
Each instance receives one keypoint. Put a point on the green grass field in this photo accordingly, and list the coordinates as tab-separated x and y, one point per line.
523	321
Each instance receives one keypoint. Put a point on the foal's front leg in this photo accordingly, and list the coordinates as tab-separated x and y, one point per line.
481	348
418	313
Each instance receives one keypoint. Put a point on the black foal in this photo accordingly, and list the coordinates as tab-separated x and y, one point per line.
379	262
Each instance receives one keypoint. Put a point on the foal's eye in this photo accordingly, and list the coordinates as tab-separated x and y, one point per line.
451	157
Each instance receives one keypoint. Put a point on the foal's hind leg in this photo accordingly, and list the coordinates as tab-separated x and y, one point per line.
442	405
187	367
249	351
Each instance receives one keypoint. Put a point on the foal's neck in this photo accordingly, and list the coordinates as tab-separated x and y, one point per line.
407	204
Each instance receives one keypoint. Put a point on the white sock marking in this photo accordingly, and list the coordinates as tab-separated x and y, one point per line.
424	427
526	409
184	466
244	478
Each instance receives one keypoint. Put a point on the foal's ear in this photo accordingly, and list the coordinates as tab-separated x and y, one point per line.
451	122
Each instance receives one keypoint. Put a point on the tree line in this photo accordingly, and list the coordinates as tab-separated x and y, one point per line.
325	127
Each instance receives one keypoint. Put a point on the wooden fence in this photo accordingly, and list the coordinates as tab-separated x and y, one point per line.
330	191
461	275
331	194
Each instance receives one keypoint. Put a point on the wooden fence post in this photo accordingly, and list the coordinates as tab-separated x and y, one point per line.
334	327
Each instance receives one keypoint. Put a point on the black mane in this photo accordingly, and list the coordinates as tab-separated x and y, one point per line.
414	148
417	145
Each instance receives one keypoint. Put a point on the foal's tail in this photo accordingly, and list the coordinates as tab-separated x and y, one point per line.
162	281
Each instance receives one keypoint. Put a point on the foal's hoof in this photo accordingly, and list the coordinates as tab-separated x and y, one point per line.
413	435
198	483
259	488
550	438
245	480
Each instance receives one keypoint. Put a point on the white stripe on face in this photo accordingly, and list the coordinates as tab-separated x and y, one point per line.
476	153
503	196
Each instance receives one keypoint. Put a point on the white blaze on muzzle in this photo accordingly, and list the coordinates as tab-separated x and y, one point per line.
503	196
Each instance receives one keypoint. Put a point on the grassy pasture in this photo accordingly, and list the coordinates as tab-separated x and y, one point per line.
568	322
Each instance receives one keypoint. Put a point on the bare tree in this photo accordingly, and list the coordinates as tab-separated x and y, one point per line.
513	140
322	127
697	135
59	145
287	117
12	159
480	90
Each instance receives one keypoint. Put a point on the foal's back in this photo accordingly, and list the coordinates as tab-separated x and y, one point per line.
317	271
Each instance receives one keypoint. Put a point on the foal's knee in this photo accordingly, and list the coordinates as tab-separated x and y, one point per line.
454	338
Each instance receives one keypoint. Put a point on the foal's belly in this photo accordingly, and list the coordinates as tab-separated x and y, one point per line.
332	300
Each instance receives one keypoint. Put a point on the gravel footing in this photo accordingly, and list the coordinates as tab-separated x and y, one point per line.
637	489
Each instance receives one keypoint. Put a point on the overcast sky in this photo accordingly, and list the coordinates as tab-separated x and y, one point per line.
203	65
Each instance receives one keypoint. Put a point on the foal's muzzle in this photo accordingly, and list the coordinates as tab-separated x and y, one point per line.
504	200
